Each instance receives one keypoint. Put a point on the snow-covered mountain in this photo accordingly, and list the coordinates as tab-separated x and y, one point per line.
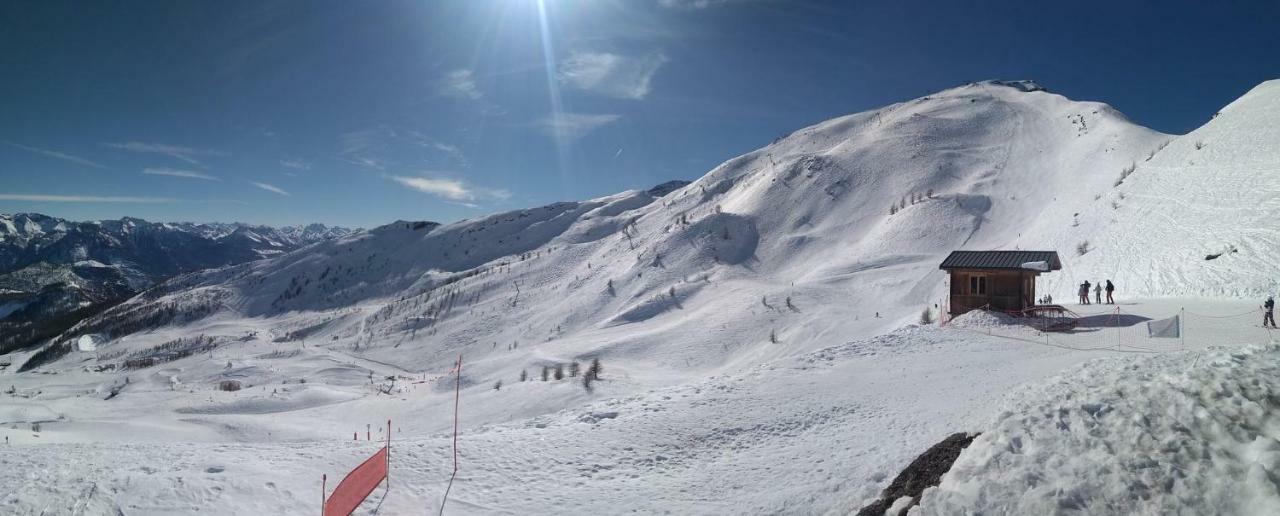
50	267
1195	216
751	322
852	215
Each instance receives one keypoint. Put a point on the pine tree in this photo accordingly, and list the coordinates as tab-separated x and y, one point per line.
546	373
574	369
524	375
497	386
595	368
559	373
926	317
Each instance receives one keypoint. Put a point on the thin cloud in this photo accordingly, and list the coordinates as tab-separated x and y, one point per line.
174	151
367	162
296	164
270	188
569	126
459	84
611	75
365	139
451	189
55	154
82	198
448	149
694	4
179	173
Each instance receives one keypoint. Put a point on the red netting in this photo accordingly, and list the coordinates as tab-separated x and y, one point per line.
357	485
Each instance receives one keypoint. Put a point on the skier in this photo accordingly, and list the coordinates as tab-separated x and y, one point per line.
1268	309
1097	293
1110	288
1082	294
1087	286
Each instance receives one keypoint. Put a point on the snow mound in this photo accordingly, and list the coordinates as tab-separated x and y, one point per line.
982	320
1173	434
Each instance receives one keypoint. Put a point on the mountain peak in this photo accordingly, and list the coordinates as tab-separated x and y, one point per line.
1025	85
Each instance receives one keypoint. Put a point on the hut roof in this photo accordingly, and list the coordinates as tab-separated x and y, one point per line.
1000	259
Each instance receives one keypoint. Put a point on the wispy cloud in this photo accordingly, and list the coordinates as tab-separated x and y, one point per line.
612	75
451	189
450	150
179	173
569	126
82	198
459	84
270	188
295	163
383	147
367	162
55	154
694	4
174	151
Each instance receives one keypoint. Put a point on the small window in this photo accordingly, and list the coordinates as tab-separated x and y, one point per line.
977	284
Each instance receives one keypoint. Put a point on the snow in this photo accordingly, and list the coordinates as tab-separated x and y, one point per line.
758	329
1185	433
87	343
1209	192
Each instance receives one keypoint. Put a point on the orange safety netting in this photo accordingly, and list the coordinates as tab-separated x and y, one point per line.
357	485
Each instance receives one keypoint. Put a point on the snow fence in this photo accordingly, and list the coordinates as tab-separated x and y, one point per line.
359	483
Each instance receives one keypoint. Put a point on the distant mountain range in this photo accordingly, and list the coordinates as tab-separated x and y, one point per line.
52	267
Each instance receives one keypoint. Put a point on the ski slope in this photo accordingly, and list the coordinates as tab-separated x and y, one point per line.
757	328
1209	193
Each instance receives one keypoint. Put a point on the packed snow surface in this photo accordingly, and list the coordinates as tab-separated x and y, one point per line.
1183	433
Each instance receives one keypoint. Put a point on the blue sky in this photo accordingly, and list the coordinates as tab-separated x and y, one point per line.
361	113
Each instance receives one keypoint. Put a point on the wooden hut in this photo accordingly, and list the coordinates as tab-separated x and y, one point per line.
1000	280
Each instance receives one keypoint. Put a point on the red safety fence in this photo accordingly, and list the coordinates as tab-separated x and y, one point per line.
359	483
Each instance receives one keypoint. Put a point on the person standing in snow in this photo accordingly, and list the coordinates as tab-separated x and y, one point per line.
1097	293
1085	290
1268	310
1082	295
1110	288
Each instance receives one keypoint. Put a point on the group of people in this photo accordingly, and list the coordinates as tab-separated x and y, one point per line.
1268	313
1097	292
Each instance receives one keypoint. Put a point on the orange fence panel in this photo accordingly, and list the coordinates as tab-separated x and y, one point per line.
357	485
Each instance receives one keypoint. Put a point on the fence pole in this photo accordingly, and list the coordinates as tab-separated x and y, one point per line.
323	480
1182	330
388	474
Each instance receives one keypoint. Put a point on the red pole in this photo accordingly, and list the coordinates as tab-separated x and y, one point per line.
388	475
457	394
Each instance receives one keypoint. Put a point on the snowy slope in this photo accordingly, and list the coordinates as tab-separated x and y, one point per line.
1214	192
727	313
806	217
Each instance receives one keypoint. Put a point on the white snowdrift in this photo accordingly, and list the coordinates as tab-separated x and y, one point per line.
1173	434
